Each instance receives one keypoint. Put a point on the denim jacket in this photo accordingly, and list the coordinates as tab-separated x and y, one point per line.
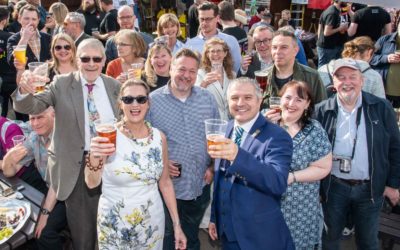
383	139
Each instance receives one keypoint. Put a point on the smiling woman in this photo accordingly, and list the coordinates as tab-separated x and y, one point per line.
63	53
156	69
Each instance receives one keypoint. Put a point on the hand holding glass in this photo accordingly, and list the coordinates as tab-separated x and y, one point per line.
18	139
137	70
20	53
215	129
39	70
106	128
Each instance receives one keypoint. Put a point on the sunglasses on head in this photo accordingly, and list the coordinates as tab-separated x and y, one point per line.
141	99
59	47
86	59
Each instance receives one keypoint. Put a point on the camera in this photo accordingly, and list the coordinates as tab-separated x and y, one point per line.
344	163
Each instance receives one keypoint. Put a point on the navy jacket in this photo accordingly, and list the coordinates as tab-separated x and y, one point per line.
385	45
383	139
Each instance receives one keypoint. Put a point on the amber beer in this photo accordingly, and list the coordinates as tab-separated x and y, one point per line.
261	78
277	108
212	139
108	131
39	88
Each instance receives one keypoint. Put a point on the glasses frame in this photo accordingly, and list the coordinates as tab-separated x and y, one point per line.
140	99
95	59
65	47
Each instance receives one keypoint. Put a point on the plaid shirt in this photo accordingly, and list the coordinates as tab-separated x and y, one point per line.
183	125
34	44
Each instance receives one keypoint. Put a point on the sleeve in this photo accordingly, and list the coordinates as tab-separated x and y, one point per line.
236	56
110	71
10	56
356	17
393	179
110	24
379	58
12	130
331	21
321	145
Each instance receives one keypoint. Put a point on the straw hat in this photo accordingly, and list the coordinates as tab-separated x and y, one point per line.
240	16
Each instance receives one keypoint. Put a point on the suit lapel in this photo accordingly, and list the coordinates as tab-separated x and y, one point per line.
254	131
112	94
77	102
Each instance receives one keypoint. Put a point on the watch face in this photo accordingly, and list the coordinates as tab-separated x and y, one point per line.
44	211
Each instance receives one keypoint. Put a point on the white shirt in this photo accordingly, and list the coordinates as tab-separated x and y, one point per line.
101	101
246	127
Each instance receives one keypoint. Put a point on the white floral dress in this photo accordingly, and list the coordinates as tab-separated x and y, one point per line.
130	213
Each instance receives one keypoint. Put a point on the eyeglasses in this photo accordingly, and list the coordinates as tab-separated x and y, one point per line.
206	19
124	44
125	17
265	41
141	99
95	59
59	47
217	51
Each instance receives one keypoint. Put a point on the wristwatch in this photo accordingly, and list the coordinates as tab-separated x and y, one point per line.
44	211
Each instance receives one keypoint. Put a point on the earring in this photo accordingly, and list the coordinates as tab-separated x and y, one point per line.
305	112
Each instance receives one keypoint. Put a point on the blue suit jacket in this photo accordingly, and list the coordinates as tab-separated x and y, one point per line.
258	179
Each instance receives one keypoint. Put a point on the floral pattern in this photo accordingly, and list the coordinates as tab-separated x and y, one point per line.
131	214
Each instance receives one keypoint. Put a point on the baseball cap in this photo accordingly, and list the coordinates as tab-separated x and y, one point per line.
345	62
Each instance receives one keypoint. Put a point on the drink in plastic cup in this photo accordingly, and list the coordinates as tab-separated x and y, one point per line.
106	128
162	39
215	129
275	103
20	53
39	70
261	78
18	139
216	67
179	166
137	69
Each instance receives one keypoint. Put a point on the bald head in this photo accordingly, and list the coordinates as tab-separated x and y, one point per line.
126	18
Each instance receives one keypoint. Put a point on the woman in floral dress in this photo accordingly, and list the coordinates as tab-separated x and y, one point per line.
311	161
130	213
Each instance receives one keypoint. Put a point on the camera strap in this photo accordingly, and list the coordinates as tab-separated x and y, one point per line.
358	120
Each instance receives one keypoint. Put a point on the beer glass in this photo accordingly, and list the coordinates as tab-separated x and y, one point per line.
18	139
40	71
275	103
106	128
20	53
215	129
261	78
162	40
137	70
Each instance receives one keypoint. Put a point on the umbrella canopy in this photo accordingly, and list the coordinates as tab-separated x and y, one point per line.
382	3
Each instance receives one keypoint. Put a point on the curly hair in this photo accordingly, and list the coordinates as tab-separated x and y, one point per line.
227	63
304	92
151	76
359	45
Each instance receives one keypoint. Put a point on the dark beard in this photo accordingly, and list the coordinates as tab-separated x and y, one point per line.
88	8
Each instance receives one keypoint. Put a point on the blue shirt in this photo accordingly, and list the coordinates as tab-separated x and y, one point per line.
183	125
197	44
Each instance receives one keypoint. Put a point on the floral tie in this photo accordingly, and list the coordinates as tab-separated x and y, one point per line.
93	114
238	135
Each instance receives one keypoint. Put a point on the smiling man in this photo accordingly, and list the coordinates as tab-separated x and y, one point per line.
252	166
78	99
366	168
179	110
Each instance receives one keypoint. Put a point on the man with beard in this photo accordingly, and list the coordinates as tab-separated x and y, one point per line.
93	15
366	168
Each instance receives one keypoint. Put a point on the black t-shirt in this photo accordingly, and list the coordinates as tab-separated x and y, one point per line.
93	20
193	21
7	73
331	17
371	21
239	34
161	82
280	82
109	22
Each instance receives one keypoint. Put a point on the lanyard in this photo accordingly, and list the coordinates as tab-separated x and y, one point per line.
358	120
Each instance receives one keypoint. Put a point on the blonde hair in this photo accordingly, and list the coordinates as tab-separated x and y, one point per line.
134	38
151	76
165	20
227	63
359	45
59	11
62	36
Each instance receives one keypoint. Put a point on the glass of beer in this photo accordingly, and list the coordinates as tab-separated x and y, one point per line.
106	128
261	78
275	103
20	53
39	70
215	129
137	70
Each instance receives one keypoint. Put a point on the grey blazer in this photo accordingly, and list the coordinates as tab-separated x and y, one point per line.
68	142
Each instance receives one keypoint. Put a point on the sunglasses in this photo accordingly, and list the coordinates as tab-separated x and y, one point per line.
59	47
86	59
141	99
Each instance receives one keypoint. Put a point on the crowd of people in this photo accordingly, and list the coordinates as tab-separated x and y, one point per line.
289	176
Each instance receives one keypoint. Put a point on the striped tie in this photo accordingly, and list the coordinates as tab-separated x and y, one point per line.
93	114
238	135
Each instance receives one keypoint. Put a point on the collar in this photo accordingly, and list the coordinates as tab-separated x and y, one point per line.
358	103
84	81
79	36
248	125
200	35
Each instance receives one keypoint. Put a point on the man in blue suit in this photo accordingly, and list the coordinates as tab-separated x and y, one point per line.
251	172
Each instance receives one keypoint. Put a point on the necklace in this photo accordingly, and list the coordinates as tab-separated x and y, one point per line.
130	135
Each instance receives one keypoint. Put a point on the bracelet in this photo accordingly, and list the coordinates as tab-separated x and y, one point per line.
294	177
89	165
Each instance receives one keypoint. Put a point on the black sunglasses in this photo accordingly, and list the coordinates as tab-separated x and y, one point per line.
59	47
86	59
141	99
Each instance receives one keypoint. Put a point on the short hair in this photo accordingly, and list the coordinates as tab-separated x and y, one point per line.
134	38
59	11
260	9
29	7
165	20
4	13
133	82
151	76
285	33
125	7
91	43
242	81
185	52
76	17
261	28
226	11
68	39
286	11
357	45
48	110
107	2
209	6
304	92
287	28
